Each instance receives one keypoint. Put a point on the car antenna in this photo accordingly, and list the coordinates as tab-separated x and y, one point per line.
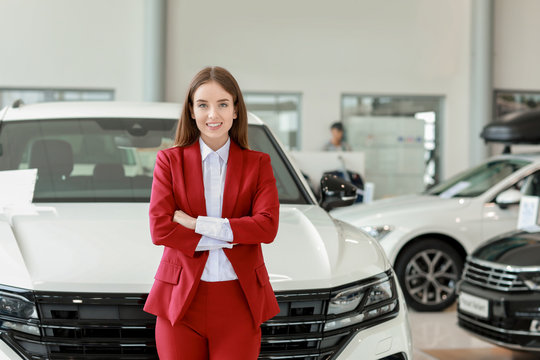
507	149
16	104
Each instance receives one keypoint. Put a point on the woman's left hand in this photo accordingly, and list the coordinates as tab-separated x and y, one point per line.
184	219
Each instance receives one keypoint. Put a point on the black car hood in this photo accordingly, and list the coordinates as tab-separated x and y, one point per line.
517	249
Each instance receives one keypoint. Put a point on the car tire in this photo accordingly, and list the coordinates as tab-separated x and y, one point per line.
428	271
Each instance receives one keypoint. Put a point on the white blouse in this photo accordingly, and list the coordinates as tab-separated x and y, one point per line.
216	231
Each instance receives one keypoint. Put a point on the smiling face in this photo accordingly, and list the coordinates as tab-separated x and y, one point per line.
214	112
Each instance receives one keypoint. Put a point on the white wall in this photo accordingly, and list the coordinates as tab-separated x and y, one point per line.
319	48
516	51
74	44
325	48
516	45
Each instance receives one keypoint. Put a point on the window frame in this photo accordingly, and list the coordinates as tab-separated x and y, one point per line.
439	107
298	111
500	92
53	94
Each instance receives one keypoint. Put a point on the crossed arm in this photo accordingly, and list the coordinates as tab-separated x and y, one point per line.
216	232
175	228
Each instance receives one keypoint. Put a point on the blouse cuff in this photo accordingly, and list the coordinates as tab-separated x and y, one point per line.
207	243
213	227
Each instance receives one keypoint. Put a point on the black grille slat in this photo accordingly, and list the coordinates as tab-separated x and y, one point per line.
500	330
492	277
96	326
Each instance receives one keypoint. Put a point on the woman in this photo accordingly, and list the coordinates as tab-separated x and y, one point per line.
213	203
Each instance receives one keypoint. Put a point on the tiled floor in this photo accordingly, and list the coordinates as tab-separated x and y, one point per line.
437	336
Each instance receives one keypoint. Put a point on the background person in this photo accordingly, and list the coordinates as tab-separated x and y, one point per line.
213	203
337	142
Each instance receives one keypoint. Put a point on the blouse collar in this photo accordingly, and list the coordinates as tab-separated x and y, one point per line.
223	152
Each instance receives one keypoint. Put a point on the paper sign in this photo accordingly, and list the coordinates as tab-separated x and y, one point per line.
474	305
528	212
456	189
17	188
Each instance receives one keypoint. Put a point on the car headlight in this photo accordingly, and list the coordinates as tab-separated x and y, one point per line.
378	232
362	302
380	292
531	279
346	300
18	311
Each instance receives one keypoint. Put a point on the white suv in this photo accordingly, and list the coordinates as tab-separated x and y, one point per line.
427	236
75	271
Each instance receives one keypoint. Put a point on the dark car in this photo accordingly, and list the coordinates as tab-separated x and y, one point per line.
499	294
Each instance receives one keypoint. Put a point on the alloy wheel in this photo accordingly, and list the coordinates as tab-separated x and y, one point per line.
431	276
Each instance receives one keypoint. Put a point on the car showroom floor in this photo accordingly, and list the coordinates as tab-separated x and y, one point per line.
437	336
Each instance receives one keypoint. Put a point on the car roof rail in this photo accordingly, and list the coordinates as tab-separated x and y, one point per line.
17	103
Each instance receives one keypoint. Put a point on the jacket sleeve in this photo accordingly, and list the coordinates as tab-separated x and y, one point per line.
163	229
262	225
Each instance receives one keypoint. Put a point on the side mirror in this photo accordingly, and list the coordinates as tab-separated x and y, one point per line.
508	197
336	192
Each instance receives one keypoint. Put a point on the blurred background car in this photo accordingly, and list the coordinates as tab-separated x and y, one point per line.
428	236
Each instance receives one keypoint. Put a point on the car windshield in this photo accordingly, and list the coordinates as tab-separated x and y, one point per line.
476	181
106	160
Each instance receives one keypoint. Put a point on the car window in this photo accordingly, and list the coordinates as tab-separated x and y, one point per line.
96	160
287	183
477	180
532	185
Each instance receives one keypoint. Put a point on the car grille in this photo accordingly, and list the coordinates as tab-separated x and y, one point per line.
492	276
90	326
297	331
114	326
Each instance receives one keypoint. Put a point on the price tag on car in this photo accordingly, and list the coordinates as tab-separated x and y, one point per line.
474	305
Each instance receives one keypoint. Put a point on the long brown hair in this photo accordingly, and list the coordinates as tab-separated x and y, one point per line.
187	132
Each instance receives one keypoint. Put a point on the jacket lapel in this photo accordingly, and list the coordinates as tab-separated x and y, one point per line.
193	178
232	179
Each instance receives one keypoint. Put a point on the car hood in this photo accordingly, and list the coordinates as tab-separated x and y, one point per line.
106	247
399	209
518	248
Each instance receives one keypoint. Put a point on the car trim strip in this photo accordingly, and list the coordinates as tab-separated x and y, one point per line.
511	268
496	329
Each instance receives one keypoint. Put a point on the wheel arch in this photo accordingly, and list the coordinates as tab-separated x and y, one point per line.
437	236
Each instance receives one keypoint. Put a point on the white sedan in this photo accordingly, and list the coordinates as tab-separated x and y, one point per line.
427	236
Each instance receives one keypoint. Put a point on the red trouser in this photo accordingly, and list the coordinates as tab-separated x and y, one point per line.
217	326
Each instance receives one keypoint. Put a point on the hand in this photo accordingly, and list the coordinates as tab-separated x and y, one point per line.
184	219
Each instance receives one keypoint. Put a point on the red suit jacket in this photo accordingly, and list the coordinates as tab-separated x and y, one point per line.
250	202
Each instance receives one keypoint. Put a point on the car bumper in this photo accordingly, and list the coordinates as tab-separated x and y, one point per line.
390	340
513	319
